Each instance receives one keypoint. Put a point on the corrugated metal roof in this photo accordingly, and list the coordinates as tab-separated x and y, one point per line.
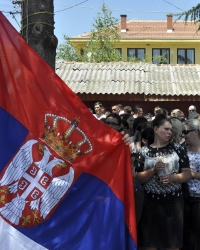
132	78
152	29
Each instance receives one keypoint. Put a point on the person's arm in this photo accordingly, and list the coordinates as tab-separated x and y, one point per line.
144	176
185	172
182	177
195	175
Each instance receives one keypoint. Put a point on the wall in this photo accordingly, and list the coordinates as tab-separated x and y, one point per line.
173	45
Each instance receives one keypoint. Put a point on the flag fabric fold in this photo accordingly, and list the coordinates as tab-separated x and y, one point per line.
65	177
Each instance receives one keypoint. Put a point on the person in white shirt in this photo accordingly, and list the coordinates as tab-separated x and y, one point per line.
98	110
121	109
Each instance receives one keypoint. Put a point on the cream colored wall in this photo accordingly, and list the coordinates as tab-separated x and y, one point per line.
173	45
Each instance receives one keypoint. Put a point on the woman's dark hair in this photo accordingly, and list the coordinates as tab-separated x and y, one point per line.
140	128
159	120
143	125
148	135
138	121
116	116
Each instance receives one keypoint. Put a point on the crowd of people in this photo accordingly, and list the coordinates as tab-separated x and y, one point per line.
165	153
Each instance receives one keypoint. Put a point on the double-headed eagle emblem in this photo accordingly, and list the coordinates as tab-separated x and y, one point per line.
29	189
33	183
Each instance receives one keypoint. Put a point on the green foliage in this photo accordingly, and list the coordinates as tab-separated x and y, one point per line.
103	37
67	52
193	14
134	59
160	59
156	59
101	45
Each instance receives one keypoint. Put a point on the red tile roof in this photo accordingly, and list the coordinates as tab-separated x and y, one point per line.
150	29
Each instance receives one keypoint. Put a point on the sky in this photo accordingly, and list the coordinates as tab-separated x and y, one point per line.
75	17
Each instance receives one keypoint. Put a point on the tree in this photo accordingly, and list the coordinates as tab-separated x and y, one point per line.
101	44
67	52
38	28
193	14
103	37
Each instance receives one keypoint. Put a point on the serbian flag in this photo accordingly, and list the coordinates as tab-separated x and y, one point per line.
65	177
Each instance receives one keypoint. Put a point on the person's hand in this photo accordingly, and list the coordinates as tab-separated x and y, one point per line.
166	179
159	166
126	138
195	175
192	172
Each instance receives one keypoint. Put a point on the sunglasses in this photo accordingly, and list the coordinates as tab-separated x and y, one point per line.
185	132
112	123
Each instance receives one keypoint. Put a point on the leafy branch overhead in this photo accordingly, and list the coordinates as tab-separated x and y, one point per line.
193	14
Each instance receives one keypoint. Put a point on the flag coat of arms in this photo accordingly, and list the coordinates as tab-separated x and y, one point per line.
65	177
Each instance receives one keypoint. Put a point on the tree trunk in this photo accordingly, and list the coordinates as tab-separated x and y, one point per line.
38	28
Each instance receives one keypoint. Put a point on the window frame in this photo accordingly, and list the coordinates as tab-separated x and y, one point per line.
185	50
136	50
161	54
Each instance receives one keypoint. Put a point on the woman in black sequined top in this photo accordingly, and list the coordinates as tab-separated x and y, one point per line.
161	168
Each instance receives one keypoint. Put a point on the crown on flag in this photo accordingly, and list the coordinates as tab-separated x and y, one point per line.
65	137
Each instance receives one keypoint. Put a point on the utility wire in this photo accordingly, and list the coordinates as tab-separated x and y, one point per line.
71	6
172	5
89	7
13	15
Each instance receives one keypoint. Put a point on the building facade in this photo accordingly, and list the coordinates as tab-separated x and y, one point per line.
168	41
170	79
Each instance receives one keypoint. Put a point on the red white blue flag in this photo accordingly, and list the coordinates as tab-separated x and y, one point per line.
65	177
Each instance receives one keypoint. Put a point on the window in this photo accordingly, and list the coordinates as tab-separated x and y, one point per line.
82	52
119	50
139	54
186	56
160	56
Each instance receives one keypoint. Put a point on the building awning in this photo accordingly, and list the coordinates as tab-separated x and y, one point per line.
119	78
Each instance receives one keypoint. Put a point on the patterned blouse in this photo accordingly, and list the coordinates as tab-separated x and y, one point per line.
194	184
174	157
